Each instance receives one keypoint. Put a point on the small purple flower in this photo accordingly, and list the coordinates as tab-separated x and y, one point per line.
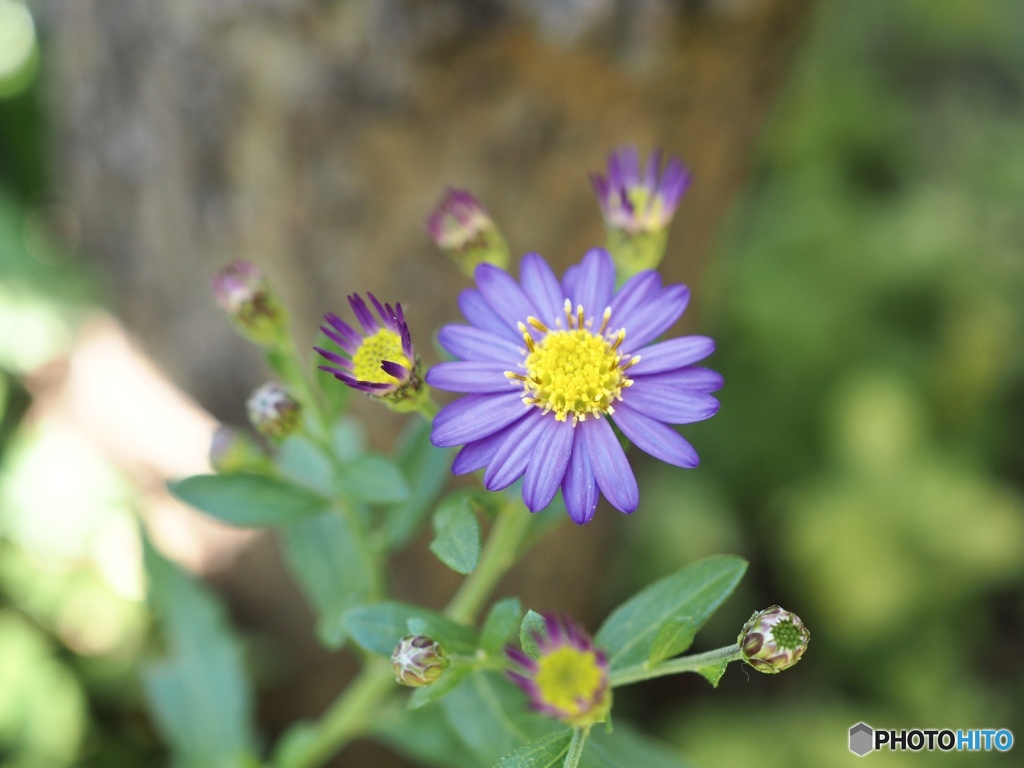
636	200
243	292
569	678
543	362
462	228
379	361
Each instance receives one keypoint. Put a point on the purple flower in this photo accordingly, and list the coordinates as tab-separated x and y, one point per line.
462	228
379	361
243	292
569	678
543	362
636	200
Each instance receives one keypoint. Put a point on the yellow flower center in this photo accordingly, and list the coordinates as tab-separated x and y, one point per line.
385	344
574	371
570	680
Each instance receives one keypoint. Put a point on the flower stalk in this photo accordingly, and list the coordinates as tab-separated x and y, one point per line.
693	663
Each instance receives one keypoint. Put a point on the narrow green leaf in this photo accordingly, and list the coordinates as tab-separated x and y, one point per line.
674	637
546	752
249	500
713	673
501	624
372	478
304	463
448	682
695	591
199	694
457	540
426	469
627	748
348	439
425	736
533	624
379	627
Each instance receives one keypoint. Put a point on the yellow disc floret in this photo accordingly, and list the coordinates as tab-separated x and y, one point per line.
574	371
385	344
570	680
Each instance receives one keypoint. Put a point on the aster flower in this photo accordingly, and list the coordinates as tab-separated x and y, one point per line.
379	361
638	206
569	678
462	228
243	292
544	362
773	640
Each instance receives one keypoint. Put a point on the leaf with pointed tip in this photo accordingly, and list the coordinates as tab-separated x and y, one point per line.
501	624
533	624
713	673
249	501
546	752
674	637
457	540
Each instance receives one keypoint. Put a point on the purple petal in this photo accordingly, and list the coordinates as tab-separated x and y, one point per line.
387	315
477	455
674	182
397	370
504	295
653	437
470	343
672	354
476	416
547	468
651	172
516	450
540	284
694	378
479	313
467	377
629	166
363	315
637	290
570	278
611	468
669	404
344	362
595	283
579	487
656	316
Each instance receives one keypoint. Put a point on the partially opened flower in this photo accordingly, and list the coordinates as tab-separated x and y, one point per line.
544	362
462	228
569	678
243	292
379	361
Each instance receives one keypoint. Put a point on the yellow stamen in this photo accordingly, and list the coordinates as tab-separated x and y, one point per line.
383	345
570	680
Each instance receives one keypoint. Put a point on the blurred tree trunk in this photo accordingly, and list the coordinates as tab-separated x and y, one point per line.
313	136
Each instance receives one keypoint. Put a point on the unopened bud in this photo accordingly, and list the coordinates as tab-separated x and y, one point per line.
233	451
242	290
773	640
273	411
418	661
462	228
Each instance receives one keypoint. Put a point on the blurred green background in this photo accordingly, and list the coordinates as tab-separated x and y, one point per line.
867	295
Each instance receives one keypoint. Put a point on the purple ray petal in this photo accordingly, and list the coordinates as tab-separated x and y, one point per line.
611	468
541	285
595	283
477	455
651	172
462	376
547	467
656	316
504	295
637	290
476	416
343	362
653	437
579	487
669	404
470	343
363	315
479	313
694	378
517	450
397	370
672	354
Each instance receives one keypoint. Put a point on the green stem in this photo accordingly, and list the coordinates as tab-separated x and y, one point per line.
427	408
575	753
348	718
693	663
500	553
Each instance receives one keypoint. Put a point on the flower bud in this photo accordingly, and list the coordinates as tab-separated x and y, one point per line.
273	411
234	451
242	290
418	661
773	640
462	228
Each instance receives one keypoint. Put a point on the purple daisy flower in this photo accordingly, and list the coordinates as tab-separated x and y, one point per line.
636	200
569	678
379	361
544	361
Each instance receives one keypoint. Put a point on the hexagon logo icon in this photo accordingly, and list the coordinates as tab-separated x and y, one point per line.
862	739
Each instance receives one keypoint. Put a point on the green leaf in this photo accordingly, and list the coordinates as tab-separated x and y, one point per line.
249	500
380	626
457	540
426	468
501	624
533	624
674	637
199	694
627	749
348	439
448	682
546	752
713	673
303	462
425	736
335	573
372	478
695	591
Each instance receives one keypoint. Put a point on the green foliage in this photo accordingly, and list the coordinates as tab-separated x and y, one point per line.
425	467
249	500
373	479
377	628
546	752
457	534
531	628
695	591
501	624
675	636
199	693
